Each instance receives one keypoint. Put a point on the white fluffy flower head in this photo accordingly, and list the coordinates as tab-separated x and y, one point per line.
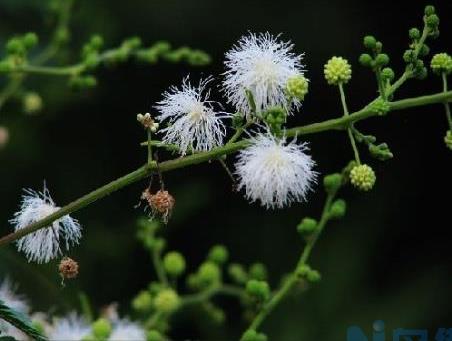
43	245
261	64
274	172
71	327
124	330
194	123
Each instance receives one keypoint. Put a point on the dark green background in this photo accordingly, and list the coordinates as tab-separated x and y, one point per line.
388	259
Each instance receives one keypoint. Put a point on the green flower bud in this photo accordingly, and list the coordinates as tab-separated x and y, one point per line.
297	87
381	151
30	40
369	42
432	21
174	263
6	66
258	289
313	276
32	103
307	226
337	71
425	50
198	58
209	273
332	182
382	59
387	74
166	301
142	302
237	273
258	271
218	254
441	62
414	33
429	10
448	139
338	209
96	42
132	43
252	335
362	177
378	46
421	73
303	270
380	106
101	329
365	60
162	46
154	335
15	46
408	56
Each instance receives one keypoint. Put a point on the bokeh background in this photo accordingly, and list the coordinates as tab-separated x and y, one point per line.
389	258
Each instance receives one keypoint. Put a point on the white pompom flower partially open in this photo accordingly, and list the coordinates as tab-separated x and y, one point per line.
193	122
71	327
44	244
275	172
263	65
125	330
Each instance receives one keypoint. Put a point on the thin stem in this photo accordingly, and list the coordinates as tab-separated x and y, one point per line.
158	265
349	131
239	132
446	104
293	278
149	133
145	171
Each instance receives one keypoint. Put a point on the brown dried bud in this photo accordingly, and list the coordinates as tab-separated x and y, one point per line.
68	268
148	122
161	203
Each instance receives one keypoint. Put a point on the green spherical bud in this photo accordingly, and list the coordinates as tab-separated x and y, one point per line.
414	33
313	276
378	46
101	329
91	61
369	42
132	43
96	42
218	254
441	62
154	335
337	71
252	335
307	226
409	56
142	302
15	46
332	182
382	59
362	177
297	87
166	301
174	263
448	139
365	60
30	40
258	271
429	10
338	209
237	273
32	103
421	73
209	273
387	74
258	289
303	270
379	106
425	50
432	21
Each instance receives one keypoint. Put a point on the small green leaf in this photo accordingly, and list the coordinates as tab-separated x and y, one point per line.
20	321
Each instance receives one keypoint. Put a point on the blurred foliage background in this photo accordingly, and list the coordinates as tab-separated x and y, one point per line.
388	259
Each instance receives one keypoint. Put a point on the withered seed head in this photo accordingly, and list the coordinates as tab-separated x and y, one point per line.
68	268
161	203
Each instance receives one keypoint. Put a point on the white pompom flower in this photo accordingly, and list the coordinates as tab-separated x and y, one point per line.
261	64
194	123
72	327
44	244
274	172
125	330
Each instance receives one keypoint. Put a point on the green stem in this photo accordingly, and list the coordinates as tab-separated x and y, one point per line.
293	278
349	131
446	104
149	133
158	265
239	132
144	171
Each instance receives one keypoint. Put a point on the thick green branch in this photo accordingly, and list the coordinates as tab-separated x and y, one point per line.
144	171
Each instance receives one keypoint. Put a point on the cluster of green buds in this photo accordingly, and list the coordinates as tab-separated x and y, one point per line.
337	71
275	118
17	49
379	151
304	271
363	177
297	87
90	52
441	63
448	139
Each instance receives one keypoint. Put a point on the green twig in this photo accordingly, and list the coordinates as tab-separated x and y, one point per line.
446	104
349	131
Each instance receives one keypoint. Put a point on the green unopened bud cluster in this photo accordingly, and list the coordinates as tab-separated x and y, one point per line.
379	106
166	301
274	117
191	56
338	209
258	271
90	52
208	274
337	71
375	59
431	21
297	87
448	139
362	177
142	302
307	226
258	289
237	273
17	49
332	182
174	263
380	151
441	63
305	271
218	254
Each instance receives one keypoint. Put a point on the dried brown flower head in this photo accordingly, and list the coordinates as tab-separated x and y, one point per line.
68	268
161	203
